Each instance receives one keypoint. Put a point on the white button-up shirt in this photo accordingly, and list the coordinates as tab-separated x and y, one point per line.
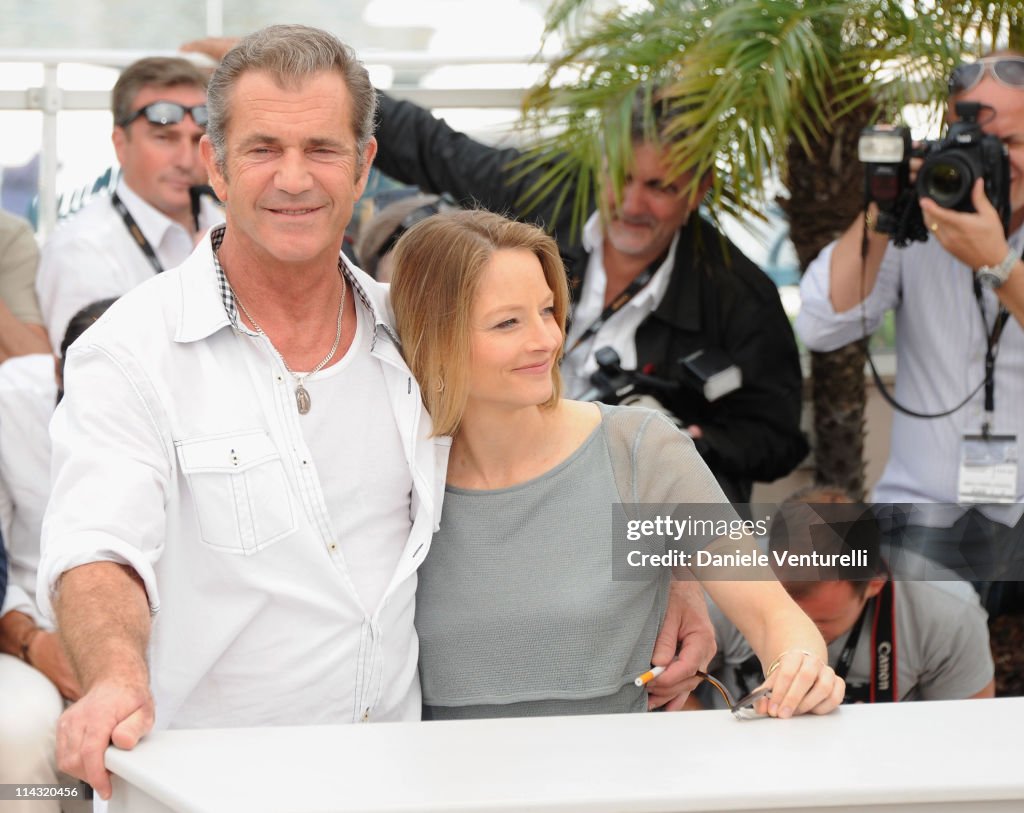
178	451
940	359
92	256
619	332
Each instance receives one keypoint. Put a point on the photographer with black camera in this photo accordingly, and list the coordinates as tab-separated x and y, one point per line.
952	285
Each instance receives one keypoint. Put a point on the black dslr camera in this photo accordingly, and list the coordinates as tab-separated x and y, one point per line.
947	176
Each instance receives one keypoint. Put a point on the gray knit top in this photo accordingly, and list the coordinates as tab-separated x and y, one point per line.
517	611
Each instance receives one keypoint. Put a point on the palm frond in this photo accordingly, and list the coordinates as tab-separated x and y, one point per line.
744	79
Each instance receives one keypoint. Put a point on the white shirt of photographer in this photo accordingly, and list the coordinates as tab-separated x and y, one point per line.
619	332
92	256
940	358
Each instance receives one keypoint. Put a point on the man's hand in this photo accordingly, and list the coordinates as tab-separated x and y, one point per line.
213	47
975	238
686	631
110	712
103	618
47	655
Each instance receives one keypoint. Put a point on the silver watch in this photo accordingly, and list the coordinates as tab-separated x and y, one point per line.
992	276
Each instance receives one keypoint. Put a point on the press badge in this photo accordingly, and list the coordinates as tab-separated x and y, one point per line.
988	469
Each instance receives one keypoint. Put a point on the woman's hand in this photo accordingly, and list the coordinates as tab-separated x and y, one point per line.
801	683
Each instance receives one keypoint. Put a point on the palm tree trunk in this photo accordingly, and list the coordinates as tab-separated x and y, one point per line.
838	395
825	194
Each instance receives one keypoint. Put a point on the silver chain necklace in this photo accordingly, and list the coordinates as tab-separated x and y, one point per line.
302	399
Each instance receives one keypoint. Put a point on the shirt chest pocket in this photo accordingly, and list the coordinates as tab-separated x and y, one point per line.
238	485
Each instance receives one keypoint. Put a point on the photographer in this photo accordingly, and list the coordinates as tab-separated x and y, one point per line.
929	636
149	223
951	295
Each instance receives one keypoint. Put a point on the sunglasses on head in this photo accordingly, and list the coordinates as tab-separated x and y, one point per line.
169	113
1007	70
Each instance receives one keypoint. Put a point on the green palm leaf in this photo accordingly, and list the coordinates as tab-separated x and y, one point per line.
748	78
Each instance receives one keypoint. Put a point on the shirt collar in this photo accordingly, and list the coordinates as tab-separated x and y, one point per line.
593	233
230	310
153	223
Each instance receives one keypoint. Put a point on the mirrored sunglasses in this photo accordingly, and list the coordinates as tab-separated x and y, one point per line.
169	113
1007	70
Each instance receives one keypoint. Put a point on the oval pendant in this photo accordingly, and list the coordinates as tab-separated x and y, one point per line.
302	399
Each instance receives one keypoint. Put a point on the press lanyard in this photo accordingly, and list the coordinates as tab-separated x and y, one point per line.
991	348
619	302
136	232
883	687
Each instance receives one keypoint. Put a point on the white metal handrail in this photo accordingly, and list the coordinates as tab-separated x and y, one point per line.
51	99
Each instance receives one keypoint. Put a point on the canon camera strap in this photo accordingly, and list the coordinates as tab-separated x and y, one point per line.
882	688
136	232
617	304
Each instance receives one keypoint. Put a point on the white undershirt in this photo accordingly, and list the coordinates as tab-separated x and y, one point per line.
346	423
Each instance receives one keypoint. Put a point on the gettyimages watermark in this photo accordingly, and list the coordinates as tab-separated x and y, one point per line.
815	542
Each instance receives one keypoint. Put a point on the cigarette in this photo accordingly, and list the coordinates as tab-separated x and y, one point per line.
649	675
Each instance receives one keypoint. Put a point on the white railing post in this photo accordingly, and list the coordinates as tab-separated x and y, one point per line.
214	18
47	99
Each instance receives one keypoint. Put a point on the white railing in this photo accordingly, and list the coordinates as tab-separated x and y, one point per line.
50	98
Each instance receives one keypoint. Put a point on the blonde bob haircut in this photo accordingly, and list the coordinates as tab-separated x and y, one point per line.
438	264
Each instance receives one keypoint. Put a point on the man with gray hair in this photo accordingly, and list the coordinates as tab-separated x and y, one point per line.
244	479
147	225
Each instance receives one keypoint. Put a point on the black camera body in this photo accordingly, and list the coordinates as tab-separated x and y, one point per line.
951	166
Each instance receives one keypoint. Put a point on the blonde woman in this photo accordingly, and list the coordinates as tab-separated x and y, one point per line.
517	610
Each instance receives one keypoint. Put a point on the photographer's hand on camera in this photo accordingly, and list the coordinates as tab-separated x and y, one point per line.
975	238
852	277
857	255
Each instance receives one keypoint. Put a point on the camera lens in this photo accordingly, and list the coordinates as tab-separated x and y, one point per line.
946	180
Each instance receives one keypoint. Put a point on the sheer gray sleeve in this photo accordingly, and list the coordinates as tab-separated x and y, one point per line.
654	462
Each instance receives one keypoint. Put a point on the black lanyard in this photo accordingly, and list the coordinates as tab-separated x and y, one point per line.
195	197
136	232
991	349
619	302
883	688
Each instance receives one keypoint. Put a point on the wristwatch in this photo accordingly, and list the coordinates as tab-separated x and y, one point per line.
992	276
